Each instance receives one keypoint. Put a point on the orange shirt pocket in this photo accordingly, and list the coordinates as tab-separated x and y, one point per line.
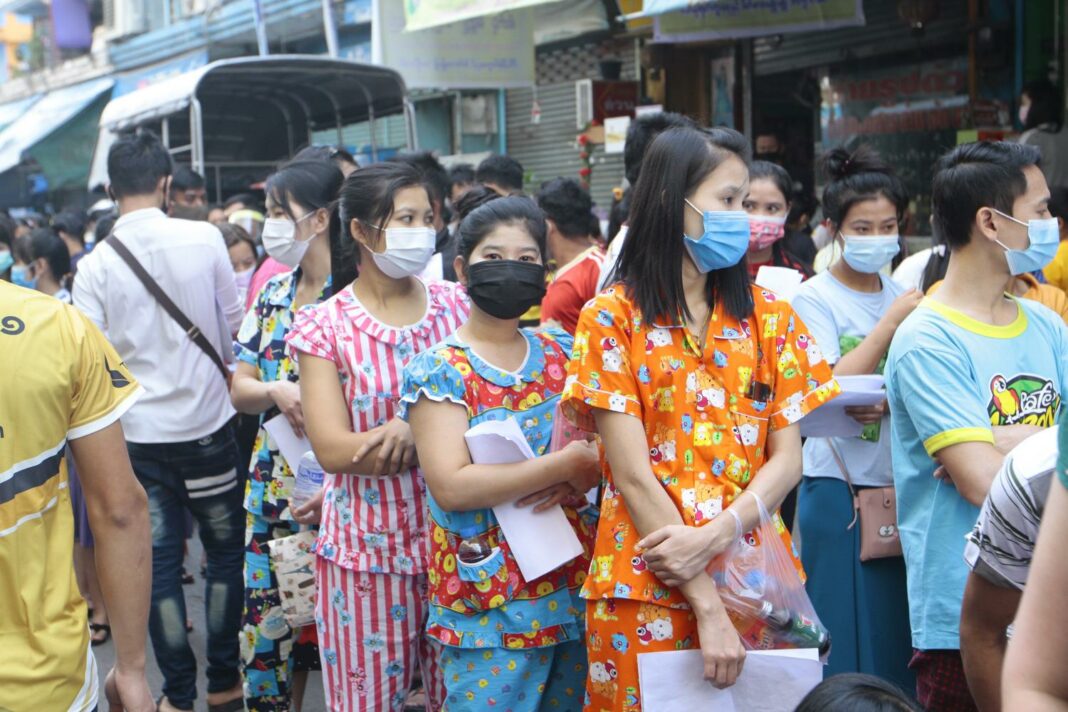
750	418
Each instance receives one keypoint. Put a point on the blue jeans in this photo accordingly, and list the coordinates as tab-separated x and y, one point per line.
201	477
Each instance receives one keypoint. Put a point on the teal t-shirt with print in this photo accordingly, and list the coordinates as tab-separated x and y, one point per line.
951	379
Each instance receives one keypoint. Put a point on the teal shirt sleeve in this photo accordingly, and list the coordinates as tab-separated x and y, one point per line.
933	386
429	375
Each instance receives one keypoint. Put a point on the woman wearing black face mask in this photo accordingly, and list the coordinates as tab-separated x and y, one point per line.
490	369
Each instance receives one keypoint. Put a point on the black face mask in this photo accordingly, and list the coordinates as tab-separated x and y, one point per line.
505	288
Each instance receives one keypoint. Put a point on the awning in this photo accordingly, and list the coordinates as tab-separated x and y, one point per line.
659	7
431	13
14	109
44	117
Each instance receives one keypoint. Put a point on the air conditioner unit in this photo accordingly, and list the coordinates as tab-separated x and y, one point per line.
583	103
124	17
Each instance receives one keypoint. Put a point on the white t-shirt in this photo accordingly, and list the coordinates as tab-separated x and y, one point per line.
909	274
832	311
611	257
185	397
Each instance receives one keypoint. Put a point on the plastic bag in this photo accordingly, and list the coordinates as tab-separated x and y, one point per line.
294	565
763	593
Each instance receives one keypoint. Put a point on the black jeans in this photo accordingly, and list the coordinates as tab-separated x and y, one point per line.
199	476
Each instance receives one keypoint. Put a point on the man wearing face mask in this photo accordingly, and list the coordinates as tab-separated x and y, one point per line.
179	435
970	373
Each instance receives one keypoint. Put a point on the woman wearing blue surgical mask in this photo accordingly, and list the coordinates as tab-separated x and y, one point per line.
300	197
41	262
695	381
853	311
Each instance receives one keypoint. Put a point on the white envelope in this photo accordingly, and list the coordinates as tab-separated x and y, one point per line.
784	281
830	419
289	445
540	541
771	681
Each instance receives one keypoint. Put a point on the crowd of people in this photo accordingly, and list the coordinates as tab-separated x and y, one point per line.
383	311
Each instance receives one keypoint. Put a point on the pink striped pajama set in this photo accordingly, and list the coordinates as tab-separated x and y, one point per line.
371	569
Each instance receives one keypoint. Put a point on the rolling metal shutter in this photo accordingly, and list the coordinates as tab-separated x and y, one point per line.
547	149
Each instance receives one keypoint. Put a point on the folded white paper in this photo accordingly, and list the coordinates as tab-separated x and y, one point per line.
289	445
831	421
540	541
771	681
784	281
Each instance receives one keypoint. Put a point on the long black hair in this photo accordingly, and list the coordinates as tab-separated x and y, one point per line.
513	210
366	195
650	263
1045	105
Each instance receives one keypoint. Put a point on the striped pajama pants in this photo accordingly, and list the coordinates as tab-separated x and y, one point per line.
371	639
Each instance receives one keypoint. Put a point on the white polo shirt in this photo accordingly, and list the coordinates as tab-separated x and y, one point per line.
185	396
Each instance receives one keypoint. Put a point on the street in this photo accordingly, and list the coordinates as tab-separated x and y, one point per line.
194	600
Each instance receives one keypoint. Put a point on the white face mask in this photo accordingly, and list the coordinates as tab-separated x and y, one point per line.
408	251
279	238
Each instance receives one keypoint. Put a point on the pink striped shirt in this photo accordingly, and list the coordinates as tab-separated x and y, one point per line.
374	524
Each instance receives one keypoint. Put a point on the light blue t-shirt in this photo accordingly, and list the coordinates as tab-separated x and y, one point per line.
838	316
951	378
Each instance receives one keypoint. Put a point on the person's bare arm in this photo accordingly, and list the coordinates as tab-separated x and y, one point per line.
248	393
1033	677
678	553
987	611
118	514
866	356
458	485
651	508
329	427
971	466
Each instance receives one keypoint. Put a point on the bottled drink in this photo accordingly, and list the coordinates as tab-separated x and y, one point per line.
794	628
309	480
473	549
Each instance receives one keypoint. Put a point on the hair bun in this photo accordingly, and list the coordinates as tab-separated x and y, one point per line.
839	163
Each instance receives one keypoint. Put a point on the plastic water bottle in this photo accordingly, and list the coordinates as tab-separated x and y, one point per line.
472	549
309	480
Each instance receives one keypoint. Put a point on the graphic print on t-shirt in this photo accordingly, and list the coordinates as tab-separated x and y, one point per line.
1023	399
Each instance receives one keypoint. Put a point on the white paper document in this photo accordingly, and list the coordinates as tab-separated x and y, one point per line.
540	541
831	421
784	281
289	445
771	681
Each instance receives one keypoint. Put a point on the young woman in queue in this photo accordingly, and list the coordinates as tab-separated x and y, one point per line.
504	641
695	381
276	658
853	311
371	573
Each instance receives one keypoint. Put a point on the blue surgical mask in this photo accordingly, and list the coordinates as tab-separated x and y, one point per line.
6	260
724	241
1045	238
870	254
20	277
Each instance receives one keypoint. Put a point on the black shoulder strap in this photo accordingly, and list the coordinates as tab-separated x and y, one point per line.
192	330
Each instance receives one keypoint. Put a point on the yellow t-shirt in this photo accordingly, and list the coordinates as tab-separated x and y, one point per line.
60	380
1056	272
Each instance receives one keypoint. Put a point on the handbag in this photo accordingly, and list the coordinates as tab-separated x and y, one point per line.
185	323
876	510
294	566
